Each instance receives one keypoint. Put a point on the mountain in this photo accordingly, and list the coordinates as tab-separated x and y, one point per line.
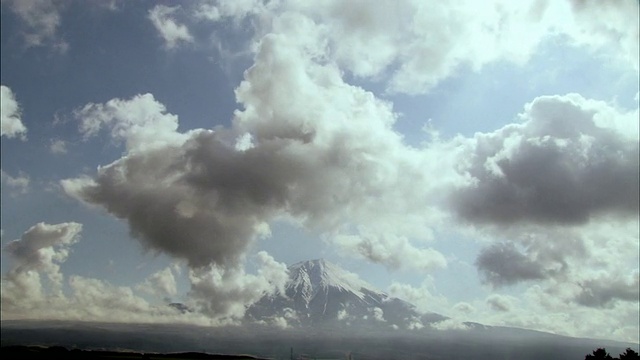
319	292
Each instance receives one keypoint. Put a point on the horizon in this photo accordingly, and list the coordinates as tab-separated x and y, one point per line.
479	160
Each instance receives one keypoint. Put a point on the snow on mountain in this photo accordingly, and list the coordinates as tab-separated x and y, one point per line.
319	292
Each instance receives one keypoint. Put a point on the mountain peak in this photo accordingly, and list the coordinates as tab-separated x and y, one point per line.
319	291
319	273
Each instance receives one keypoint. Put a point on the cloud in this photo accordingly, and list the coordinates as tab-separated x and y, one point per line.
225	293
306	146
318	150
464	307
228	9
40	250
378	314
607	24
20	183
38	254
568	161
502	264
172	32
601	291
58	146
449	324
424	297
142	122
12	125
420	43
43	246
392	251
42	19
499	302
161	283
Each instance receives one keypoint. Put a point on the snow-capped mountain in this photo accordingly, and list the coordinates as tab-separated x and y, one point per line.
319	292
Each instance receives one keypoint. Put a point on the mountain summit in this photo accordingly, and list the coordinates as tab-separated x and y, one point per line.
319	292
308	278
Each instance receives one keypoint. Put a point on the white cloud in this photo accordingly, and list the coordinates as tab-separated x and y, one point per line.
172	32
228	9
42	19
449	324
392	251
217	296
225	293
378	314
58	146
423	297
43	245
609	25
142	122
12	125
20	183
420	43
161	283
40	250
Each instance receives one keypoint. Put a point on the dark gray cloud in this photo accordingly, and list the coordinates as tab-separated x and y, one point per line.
562	165
602	292
176	202
502	264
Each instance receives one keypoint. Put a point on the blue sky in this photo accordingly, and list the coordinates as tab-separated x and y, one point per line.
477	160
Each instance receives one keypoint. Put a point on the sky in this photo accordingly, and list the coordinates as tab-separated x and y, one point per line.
479	159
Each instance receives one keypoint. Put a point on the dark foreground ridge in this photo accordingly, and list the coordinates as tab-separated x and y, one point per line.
38	352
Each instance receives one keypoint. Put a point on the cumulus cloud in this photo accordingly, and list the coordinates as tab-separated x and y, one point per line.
43	246
142	122
392	251
325	155
40	250
539	186
37	257
424	297
420	43
225	293
171	31
377	314
41	19
569	160
161	283
12	125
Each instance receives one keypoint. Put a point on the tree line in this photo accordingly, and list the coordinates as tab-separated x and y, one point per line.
602	354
